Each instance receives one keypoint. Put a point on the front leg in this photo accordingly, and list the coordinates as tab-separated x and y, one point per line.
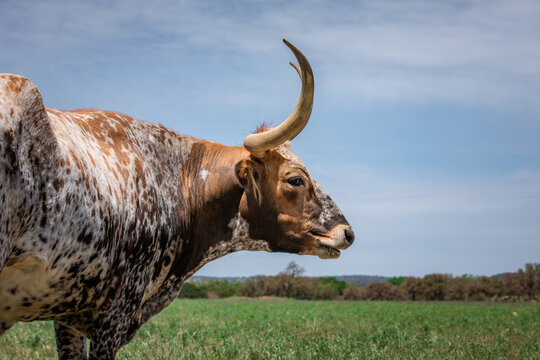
108	335
70	344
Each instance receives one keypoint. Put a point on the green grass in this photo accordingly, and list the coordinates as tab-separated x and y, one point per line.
289	329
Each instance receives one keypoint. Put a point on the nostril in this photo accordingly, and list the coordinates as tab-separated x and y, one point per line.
349	236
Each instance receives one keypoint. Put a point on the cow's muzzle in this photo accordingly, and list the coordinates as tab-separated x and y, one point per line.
339	238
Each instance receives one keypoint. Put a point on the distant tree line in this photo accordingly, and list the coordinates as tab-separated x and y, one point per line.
523	285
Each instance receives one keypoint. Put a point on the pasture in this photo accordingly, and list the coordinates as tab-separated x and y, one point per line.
292	329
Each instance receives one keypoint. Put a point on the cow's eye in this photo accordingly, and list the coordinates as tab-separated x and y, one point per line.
296	181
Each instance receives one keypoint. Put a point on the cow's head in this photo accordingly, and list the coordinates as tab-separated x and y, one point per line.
282	203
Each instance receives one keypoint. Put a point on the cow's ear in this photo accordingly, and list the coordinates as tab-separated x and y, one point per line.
249	176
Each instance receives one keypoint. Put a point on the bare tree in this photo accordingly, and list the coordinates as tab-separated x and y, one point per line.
294	269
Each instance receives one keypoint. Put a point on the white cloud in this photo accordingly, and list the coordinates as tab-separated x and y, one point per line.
473	52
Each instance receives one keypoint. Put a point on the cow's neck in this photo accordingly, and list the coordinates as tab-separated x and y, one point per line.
211	192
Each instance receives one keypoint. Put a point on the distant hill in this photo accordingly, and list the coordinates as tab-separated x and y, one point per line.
499	276
360	280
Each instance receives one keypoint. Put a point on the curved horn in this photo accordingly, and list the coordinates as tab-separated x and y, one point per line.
258	144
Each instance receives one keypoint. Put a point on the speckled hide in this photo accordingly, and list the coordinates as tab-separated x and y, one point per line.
104	217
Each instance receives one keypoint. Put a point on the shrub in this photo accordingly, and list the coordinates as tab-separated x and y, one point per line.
458	289
285	285
190	290
339	285
254	287
433	287
531	279
411	287
223	288
514	284
304	288
397	280
384	291
279	285
484	287
326	290
354	292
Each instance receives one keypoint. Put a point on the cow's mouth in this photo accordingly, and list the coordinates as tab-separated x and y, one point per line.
326	252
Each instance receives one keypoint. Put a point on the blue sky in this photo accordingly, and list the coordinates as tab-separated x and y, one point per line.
425	127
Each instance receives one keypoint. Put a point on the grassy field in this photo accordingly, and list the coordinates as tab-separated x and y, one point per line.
289	329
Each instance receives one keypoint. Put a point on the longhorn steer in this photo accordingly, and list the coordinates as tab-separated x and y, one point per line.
104	217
